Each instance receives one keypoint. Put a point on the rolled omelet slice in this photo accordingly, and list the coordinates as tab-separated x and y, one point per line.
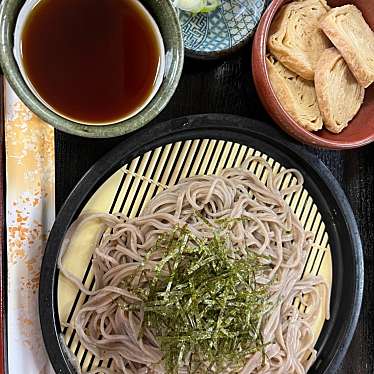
352	36
297	95
339	94
295	37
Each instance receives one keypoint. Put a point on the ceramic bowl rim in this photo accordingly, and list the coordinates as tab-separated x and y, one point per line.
156	105
21	23
221	53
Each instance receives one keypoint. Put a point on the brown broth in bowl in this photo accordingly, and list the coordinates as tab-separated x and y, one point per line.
92	61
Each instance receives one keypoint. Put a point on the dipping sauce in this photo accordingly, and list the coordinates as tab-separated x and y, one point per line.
92	61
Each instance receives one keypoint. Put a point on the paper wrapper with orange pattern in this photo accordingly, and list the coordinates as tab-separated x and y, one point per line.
30	214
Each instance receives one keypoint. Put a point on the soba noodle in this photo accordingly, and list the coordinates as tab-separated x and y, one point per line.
270	229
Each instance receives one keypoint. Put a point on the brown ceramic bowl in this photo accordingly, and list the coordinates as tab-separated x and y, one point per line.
361	129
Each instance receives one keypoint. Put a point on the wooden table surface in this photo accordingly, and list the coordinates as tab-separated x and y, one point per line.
226	86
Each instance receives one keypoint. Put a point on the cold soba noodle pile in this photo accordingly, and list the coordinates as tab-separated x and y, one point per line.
206	280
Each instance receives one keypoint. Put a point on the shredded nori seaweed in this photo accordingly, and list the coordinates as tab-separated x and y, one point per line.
209	307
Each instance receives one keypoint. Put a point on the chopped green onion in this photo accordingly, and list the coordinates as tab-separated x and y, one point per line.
197	6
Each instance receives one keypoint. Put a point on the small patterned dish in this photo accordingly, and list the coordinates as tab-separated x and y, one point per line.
223	31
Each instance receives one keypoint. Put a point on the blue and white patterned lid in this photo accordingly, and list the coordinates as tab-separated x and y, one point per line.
220	32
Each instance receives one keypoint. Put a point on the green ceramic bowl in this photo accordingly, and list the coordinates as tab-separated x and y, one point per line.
167	20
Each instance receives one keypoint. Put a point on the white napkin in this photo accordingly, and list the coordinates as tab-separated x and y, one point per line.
30	210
